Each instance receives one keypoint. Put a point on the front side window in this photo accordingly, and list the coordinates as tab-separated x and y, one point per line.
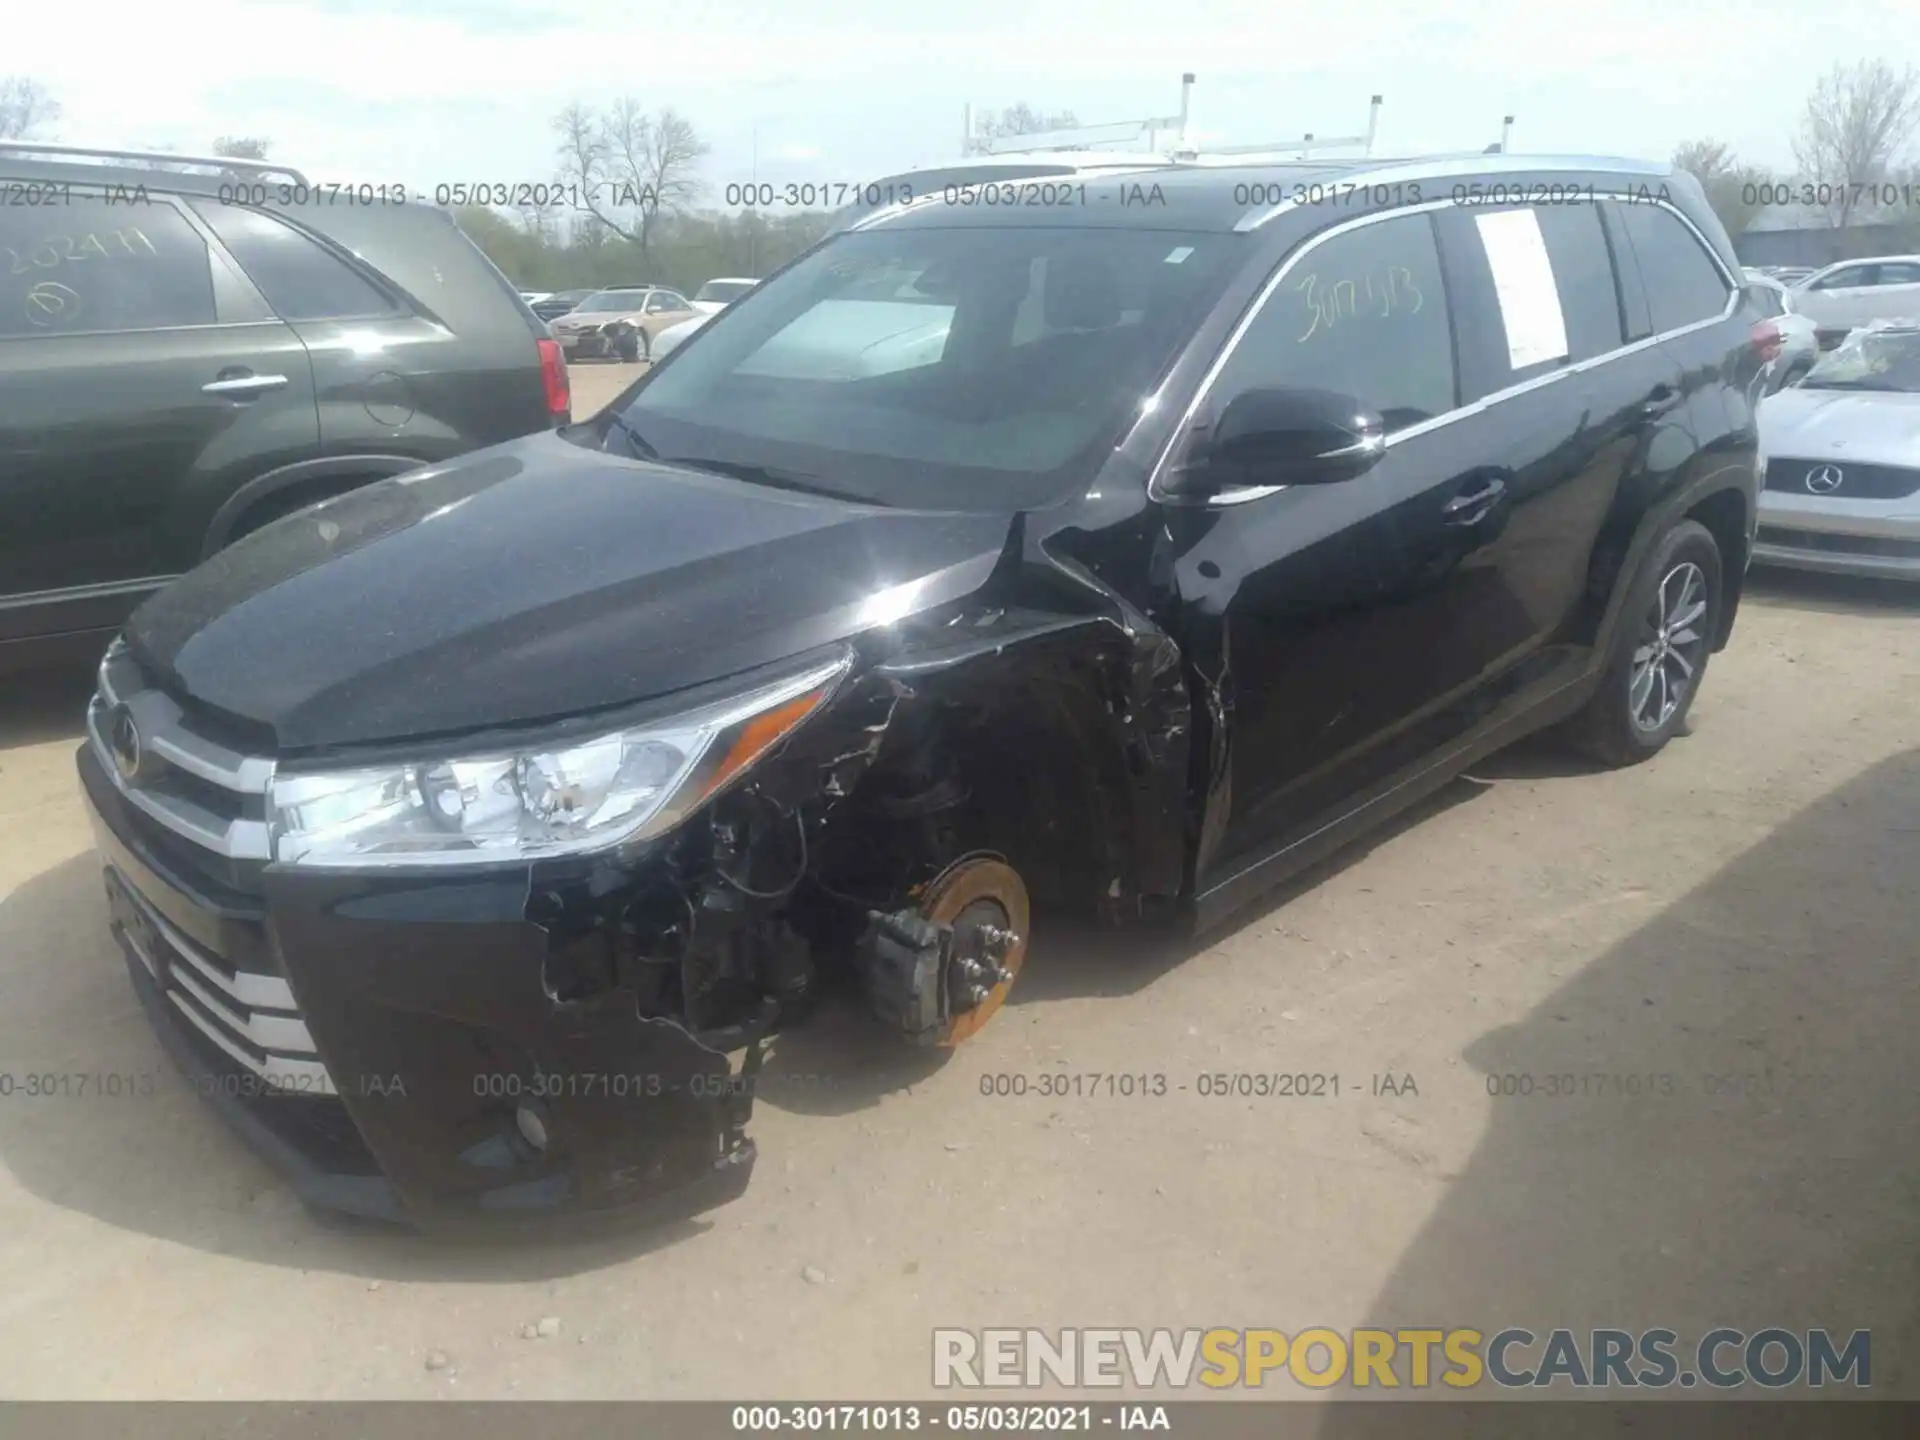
895	365
1363	313
90	267
1684	284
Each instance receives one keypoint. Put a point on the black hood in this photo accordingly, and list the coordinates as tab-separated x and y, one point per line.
534	580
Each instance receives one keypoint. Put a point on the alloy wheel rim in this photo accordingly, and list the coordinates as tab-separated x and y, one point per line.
1672	644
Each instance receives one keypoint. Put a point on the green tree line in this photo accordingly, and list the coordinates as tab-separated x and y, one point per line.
683	249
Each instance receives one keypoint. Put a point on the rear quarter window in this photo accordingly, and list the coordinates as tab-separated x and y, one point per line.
300	279
1684	283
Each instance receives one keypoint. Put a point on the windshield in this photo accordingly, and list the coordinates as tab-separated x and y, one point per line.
724	290
614	300
1870	360
944	369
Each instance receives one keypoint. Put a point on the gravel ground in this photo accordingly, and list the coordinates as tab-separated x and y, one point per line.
1743	906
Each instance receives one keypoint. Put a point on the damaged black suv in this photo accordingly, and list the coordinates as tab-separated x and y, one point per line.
1116	549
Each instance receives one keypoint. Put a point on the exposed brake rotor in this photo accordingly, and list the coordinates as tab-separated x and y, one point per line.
984	901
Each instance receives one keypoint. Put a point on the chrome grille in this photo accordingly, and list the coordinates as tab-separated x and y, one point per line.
194	786
252	1018
205	795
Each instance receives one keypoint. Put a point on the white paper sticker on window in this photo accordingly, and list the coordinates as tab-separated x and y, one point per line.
1523	280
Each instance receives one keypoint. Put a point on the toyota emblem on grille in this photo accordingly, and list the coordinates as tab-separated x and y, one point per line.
1825	479
123	738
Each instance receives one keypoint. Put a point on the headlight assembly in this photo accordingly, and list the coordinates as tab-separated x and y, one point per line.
524	804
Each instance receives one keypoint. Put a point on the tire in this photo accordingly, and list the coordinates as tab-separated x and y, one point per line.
1656	668
627	347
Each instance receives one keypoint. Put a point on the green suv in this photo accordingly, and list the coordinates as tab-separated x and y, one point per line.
192	348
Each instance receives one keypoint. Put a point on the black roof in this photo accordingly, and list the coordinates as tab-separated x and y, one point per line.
1215	197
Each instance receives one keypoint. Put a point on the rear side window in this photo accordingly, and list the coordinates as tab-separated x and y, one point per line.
90	267
1896	273
300	278
1767	300
1365	314
1583	274
1684	285
1841	279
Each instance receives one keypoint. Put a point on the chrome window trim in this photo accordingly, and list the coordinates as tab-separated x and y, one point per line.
1156	490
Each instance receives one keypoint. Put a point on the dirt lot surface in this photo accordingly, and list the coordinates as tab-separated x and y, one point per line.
1745	906
595	382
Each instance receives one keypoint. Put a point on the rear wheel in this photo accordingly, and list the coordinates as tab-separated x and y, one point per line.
1660	651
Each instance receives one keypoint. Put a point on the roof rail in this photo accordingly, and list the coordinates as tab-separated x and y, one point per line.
1070	138
150	158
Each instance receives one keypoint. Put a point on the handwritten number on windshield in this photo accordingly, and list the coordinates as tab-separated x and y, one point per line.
1380	296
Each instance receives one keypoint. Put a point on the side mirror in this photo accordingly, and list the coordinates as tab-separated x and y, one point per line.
1286	437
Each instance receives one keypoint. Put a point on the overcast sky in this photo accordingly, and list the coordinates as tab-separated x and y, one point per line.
426	91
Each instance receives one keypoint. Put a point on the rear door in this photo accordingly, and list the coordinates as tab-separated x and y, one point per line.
140	385
1894	291
1690	301
379	369
1493	567
1839	299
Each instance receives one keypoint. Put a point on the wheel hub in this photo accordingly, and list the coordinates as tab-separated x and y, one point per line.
984	902
1673	646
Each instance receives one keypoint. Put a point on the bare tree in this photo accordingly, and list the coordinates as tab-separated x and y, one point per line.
1857	121
1734	188
1020	119
242	147
25	106
629	167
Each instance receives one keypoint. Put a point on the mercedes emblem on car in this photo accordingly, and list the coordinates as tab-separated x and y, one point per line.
1824	479
123	738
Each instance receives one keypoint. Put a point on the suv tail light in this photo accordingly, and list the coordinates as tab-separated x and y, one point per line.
1765	338
553	371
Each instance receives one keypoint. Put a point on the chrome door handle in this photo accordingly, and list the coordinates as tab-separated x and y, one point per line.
243	385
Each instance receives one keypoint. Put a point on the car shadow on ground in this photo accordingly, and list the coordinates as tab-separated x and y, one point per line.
45	705
1741	1144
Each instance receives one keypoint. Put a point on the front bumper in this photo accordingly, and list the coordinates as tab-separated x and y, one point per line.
584	346
1876	538
374	1040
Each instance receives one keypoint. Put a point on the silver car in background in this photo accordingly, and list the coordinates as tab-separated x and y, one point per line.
1841	458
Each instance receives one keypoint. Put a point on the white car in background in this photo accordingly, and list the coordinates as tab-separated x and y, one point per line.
710	299
720	292
1840	453
1799	336
1856	292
